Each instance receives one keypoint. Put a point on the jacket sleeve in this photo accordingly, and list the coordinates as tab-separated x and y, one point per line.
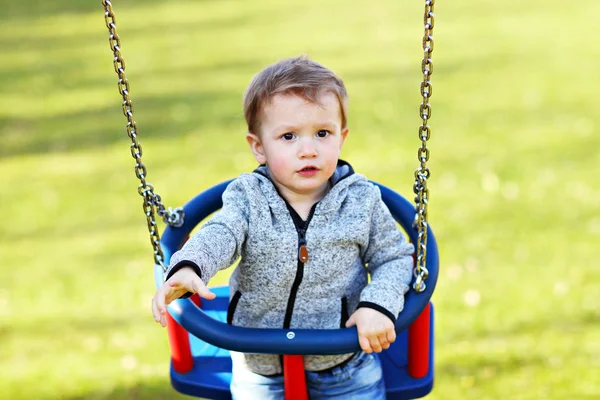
389	260
218	243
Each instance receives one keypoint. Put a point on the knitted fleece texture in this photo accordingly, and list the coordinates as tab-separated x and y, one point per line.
349	234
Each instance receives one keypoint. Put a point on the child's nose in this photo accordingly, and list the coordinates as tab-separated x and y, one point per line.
307	149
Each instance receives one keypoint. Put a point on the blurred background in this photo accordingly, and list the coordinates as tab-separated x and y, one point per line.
514	192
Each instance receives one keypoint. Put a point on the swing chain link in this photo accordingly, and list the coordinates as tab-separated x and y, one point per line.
422	173
152	201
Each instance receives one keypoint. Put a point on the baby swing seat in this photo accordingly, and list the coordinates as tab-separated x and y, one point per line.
200	339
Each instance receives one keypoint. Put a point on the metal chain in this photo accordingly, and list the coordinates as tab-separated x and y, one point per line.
152	201
175	217
422	173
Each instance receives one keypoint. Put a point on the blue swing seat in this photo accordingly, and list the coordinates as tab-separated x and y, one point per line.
211	374
210	336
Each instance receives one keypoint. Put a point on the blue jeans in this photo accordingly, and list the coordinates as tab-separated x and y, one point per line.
360	378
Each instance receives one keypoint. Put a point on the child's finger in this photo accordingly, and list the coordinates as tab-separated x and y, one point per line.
350	322
159	308
364	344
383	341
174	283
161	294
207	294
202	290
375	345
155	312
391	336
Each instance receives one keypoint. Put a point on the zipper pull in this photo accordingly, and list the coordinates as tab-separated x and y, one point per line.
303	253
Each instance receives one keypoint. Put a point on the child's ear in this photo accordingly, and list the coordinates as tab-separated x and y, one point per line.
256	147
344	134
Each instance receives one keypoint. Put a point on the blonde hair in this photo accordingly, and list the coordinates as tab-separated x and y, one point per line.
300	76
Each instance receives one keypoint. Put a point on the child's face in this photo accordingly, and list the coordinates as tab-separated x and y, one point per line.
300	142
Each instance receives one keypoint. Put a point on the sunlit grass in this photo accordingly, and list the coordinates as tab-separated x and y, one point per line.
514	191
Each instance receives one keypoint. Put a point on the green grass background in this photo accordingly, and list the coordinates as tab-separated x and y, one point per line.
515	189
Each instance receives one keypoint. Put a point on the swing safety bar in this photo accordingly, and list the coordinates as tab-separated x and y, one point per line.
290	341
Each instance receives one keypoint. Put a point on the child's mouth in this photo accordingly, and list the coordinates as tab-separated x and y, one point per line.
310	170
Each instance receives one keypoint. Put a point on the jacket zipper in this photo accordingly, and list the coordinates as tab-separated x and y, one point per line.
303	256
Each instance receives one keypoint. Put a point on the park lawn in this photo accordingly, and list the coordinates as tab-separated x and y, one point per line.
514	191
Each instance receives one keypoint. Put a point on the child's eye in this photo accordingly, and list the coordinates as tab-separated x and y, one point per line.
322	133
288	136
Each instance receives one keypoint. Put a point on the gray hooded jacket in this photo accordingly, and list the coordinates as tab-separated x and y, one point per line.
302	274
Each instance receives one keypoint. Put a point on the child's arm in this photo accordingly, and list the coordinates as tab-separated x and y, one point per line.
216	246
218	243
389	260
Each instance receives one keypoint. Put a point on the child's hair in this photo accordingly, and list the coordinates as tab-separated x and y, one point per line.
300	76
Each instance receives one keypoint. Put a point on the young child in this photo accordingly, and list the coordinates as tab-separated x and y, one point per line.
309	231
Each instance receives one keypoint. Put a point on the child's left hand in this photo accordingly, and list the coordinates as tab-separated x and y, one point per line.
375	330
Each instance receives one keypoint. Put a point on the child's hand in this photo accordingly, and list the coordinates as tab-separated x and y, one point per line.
375	330
183	281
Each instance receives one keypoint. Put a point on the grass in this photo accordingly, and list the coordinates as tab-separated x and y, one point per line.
514	191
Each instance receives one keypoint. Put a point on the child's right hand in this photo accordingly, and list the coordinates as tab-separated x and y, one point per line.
183	281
